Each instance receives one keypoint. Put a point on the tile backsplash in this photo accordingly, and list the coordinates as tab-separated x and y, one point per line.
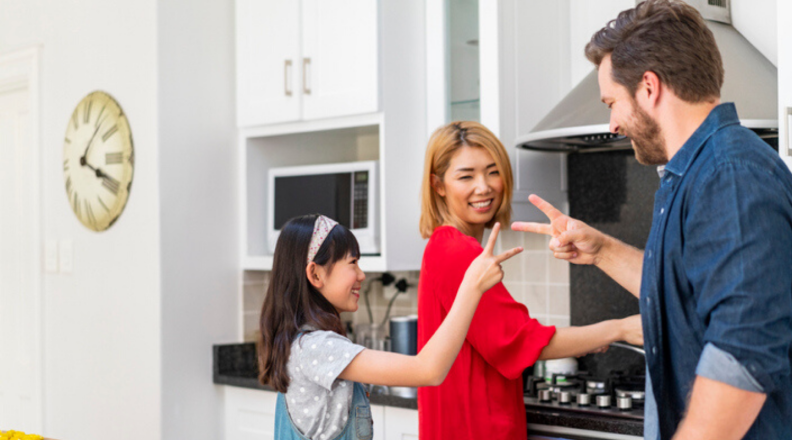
534	278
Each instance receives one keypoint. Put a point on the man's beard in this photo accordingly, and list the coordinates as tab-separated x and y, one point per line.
647	138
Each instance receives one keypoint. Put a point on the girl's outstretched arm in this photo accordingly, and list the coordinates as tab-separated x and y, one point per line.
431	365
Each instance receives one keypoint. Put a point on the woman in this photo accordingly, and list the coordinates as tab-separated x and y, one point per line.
467	187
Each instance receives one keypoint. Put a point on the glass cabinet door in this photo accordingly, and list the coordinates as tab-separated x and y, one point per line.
462	60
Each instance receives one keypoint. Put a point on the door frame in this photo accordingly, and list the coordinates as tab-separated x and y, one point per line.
19	69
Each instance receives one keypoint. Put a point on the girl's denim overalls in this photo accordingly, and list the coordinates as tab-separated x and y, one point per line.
358	426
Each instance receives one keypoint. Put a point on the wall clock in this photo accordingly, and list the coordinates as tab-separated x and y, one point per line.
98	161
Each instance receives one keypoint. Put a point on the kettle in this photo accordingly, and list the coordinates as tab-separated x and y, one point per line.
404	340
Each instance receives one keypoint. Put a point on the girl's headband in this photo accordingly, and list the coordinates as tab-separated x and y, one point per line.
321	230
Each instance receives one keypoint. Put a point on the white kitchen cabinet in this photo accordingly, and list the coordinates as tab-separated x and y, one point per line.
267	58
401	424
340	45
378	419
303	60
250	415
395	135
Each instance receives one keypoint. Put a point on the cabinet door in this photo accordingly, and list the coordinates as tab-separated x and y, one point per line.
340	64
401	424
268	69
249	414
378	418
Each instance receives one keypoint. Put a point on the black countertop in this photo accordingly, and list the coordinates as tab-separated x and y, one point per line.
235	365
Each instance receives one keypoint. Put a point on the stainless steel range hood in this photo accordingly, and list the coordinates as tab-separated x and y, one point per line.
579	123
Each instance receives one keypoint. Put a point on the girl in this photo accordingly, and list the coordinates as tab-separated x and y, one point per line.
467	187
303	351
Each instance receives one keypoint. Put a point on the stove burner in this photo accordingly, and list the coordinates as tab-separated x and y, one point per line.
617	395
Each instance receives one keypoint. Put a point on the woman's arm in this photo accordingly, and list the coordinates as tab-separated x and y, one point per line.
431	365
577	341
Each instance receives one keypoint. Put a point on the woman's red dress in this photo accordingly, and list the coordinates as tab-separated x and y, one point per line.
482	396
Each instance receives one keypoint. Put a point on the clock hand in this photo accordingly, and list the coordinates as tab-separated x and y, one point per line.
99	173
108	181
83	161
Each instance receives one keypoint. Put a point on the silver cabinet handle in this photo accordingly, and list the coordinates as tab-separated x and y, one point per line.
787	126
306	81
287	64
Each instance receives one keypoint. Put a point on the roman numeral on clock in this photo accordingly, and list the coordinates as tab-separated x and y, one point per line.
103	204
113	158
76	204
111	184
109	133
89	211
87	115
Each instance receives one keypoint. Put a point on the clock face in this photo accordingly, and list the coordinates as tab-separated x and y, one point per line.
98	161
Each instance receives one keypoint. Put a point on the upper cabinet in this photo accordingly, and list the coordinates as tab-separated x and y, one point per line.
323	82
304	60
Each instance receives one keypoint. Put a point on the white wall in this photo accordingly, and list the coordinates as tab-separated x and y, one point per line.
198	213
128	334
587	17
754	19
102	322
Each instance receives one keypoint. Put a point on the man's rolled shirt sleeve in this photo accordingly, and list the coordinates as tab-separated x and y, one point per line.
721	366
740	268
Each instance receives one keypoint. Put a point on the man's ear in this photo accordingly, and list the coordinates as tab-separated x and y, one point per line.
649	89
437	185
315	275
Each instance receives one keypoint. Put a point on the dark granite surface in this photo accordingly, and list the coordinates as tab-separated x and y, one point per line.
235	365
612	192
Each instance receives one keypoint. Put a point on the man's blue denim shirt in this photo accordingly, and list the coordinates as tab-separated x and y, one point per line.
716	289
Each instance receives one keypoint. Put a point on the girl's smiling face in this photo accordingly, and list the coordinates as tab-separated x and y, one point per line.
339	283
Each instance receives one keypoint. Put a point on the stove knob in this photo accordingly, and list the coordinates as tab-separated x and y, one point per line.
624	403
545	396
564	397
604	401
584	399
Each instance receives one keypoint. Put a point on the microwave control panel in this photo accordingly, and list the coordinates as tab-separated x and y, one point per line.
360	203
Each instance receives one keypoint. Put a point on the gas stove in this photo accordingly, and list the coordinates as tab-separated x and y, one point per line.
617	395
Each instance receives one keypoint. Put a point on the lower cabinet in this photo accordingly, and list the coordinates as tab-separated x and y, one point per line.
400	424
250	415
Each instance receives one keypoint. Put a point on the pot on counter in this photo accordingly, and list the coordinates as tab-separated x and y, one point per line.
557	370
404	340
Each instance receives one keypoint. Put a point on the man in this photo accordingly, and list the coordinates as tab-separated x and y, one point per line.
715	280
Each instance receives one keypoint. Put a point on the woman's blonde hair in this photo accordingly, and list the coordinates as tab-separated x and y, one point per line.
443	144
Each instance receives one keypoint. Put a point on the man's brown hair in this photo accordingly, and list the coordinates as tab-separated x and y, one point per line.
667	37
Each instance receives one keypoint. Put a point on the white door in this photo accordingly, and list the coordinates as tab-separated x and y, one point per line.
268	61
340	61
20	337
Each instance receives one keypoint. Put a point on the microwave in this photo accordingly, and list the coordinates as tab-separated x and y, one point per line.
345	192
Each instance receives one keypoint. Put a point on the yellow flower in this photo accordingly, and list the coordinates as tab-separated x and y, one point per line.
18	435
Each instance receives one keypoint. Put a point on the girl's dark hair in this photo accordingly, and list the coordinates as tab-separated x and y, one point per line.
292	301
